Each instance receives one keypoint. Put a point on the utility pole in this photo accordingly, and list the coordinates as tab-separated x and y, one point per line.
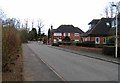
116	35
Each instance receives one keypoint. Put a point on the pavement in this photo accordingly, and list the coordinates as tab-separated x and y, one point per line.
35	69
90	54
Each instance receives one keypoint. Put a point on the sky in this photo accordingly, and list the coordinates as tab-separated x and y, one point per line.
55	12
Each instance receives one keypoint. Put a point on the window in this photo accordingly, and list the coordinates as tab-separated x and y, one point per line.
68	34
104	40
97	40
107	23
57	34
64	34
55	40
76	34
76	40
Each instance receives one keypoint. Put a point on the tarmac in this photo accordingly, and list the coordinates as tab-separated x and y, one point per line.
91	55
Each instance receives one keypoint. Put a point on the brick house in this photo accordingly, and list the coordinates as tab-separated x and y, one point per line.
98	31
66	32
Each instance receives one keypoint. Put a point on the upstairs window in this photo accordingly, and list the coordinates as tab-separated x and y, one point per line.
107	23
68	34
57	34
76	34
65	34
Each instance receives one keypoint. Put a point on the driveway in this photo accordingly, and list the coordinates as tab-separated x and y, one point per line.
70	66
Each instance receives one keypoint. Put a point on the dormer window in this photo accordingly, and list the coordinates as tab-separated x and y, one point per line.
107	23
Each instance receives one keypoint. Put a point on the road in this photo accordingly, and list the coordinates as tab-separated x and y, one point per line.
73	67
34	69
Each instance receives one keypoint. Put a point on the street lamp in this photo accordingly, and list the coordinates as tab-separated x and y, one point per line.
116	42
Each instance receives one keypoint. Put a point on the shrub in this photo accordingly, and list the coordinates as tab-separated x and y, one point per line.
55	44
86	44
10	45
24	35
110	50
66	43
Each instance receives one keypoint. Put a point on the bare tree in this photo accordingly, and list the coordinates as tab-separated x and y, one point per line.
106	12
40	26
111	9
2	14
26	24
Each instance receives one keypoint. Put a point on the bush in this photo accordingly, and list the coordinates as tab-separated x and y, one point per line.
110	50
110	44
11	43
86	44
66	43
24	35
55	44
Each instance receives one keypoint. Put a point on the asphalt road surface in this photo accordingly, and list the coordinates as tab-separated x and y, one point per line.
34	69
73	67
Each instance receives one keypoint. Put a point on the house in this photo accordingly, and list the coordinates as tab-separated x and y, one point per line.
98	31
66	33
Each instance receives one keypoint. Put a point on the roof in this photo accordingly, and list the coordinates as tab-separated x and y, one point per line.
100	29
112	31
94	21
68	29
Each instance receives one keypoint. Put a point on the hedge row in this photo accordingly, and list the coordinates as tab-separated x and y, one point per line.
55	44
86	44
11	43
110	50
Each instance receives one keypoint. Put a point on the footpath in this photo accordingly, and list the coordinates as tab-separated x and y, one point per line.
96	55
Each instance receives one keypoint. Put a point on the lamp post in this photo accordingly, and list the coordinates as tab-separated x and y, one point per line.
116	42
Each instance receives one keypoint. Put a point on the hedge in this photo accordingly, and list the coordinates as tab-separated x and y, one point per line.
66	43
55	44
86	44
110	50
11	44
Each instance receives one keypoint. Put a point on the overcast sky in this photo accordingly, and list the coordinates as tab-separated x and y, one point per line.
56	12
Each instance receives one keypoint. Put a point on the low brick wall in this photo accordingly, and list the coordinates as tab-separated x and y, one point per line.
87	49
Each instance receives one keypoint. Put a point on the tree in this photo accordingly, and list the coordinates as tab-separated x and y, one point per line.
2	14
34	34
48	34
24	35
40	26
109	10
106	11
